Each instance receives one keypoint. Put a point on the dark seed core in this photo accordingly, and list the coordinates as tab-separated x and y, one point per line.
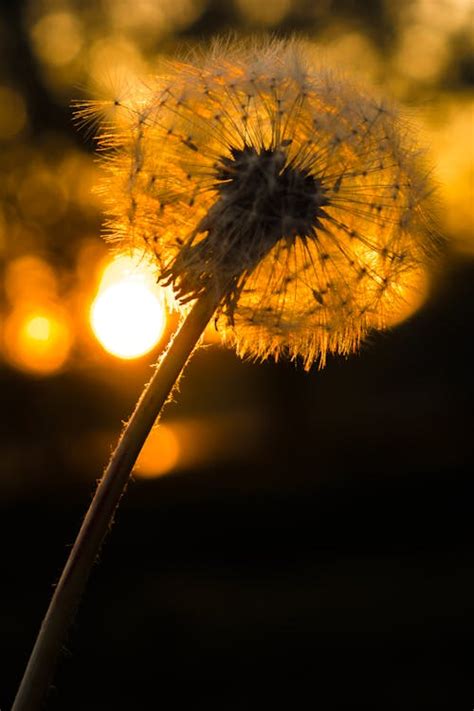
273	198
261	199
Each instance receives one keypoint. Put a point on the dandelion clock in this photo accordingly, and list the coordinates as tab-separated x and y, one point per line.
276	198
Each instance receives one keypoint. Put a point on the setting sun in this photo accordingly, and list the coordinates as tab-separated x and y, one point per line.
127	315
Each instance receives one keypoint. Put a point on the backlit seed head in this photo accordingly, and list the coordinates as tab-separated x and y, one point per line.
278	183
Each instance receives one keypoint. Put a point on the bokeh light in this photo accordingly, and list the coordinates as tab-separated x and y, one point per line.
37	339
28	278
13	115
450	126
411	293
265	13
128	314
160	454
422	65
57	37
37	332
150	16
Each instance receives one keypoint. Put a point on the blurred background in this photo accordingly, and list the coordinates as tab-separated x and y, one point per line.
286	532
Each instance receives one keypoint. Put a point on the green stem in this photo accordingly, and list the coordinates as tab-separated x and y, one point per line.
42	662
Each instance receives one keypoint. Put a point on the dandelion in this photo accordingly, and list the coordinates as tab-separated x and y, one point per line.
284	189
274	195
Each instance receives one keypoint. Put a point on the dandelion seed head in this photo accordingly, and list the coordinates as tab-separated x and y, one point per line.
252	171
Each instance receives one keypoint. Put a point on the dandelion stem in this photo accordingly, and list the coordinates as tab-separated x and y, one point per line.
99	517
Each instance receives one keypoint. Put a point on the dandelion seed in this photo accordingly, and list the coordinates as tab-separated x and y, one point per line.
278	179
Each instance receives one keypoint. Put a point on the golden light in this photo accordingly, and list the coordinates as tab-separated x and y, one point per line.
165	16
127	315
38	328
347	48
37	339
411	293
57	37
195	442
212	334
29	277
403	299
160	453
448	16
425	65
13	116
269	14
450	125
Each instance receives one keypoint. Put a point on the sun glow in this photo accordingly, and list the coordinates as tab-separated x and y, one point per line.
127	315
